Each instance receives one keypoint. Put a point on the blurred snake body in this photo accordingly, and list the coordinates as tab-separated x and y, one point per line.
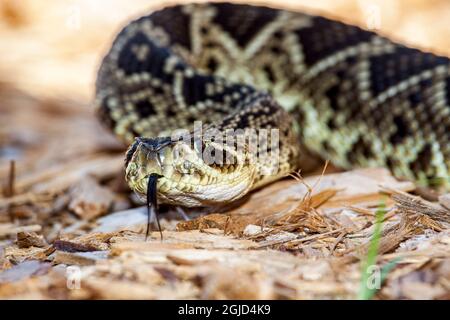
329	89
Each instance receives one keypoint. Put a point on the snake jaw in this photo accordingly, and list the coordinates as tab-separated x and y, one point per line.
185	178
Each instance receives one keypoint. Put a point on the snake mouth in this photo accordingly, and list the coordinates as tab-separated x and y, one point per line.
183	176
147	158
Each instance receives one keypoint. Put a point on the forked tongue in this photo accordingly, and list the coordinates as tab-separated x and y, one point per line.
152	202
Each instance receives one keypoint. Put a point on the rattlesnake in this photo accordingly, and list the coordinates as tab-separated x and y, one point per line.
330	89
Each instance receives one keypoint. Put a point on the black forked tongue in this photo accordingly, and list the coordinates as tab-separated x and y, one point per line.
152	202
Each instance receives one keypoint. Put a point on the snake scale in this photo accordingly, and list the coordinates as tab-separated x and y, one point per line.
329	89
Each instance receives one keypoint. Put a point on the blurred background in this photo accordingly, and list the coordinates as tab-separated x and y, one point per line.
53	47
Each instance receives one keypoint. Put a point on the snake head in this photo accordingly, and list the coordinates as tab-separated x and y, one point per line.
188	170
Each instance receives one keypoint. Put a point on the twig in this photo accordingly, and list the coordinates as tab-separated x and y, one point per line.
11	178
337	241
297	241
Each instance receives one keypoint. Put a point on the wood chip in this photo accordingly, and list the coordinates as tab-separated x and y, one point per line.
411	204
7	229
17	255
86	243
89	199
444	200
30	239
132	219
24	270
79	258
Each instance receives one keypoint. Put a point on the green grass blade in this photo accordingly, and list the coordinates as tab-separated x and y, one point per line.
365	291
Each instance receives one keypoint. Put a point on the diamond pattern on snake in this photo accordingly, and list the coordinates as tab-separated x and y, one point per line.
327	89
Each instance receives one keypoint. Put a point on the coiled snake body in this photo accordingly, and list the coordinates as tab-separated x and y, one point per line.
330	89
